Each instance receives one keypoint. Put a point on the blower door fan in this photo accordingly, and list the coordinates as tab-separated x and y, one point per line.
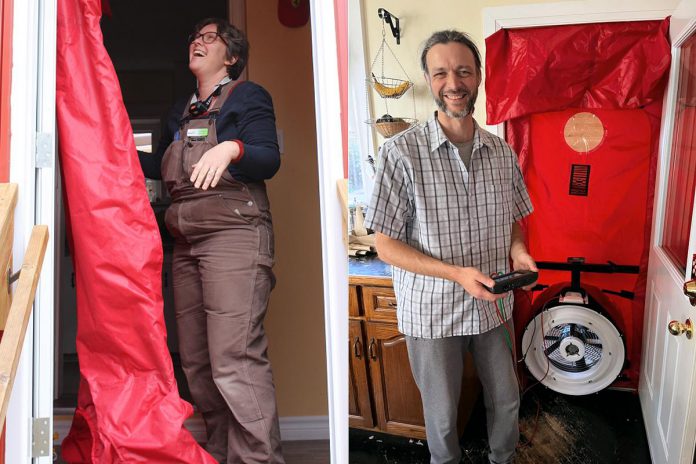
576	352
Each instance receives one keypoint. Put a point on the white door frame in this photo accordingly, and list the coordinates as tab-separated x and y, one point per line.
32	100
46	201
334	258
573	12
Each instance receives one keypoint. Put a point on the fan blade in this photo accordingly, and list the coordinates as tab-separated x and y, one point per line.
551	337
581	364
577	332
553	347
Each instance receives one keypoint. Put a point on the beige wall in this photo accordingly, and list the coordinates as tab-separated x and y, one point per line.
418	21
281	61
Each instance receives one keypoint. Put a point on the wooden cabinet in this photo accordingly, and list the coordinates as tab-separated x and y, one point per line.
359	405
398	406
382	393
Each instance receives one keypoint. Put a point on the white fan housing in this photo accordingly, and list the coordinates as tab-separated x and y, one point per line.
580	351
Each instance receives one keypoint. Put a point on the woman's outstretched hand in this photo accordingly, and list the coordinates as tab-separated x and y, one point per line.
209	169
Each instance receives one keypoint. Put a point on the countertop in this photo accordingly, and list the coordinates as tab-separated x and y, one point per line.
370	266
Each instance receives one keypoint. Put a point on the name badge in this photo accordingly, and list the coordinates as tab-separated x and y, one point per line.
197	133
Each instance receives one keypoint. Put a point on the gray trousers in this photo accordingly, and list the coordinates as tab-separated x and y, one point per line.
437	366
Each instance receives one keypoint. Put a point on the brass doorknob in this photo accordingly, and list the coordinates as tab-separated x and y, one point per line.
690	291
677	328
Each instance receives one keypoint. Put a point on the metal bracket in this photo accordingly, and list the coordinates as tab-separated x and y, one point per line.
12	278
44	150
40	439
393	22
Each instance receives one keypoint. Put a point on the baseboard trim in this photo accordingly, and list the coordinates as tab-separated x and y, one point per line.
296	428
292	428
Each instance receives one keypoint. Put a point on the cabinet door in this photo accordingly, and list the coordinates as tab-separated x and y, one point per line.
359	407
397	399
353	302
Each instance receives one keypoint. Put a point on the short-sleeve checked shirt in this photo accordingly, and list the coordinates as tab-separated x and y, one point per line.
425	196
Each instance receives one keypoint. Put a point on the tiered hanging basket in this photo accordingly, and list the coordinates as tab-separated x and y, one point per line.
389	88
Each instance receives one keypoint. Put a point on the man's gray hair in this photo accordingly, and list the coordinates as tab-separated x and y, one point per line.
445	37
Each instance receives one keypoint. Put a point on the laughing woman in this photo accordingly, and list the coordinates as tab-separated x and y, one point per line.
218	148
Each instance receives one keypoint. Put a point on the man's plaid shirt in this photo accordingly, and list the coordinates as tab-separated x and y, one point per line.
425	197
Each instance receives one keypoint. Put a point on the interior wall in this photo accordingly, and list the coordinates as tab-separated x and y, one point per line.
417	23
281	61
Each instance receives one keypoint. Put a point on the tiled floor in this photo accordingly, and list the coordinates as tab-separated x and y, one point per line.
604	428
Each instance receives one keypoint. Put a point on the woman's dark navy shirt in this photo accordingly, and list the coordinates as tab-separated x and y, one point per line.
247	115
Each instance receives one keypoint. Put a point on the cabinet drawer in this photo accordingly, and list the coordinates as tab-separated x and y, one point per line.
380	303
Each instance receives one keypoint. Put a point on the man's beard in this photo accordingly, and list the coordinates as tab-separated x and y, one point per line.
440	101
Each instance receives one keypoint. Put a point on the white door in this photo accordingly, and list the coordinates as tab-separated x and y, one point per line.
667	380
33	124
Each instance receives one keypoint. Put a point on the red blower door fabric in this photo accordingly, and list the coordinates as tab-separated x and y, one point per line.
606	65
593	205
129	409
597	204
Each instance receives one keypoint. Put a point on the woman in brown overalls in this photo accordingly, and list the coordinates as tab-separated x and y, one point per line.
220	147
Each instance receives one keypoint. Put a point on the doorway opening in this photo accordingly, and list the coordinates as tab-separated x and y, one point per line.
151	61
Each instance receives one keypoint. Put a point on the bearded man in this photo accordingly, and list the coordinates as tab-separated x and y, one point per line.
446	204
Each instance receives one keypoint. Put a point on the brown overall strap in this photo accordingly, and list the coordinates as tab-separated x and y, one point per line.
218	102
224	95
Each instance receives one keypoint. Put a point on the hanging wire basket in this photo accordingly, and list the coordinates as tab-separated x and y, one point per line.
388	87
389	128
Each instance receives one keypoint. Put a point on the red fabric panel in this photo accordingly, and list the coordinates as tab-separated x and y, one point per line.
599	67
606	65
5	85
602	225
341	13
129	408
2	447
6	8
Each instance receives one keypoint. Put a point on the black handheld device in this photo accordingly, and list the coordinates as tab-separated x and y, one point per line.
512	280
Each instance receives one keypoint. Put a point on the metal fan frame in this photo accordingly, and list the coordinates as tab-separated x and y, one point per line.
599	376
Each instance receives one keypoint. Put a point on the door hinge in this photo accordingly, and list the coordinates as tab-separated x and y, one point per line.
45	145
40	437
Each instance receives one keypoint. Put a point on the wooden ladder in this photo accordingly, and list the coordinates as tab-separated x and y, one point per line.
15	309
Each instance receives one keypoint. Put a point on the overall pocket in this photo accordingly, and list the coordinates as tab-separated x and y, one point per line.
240	207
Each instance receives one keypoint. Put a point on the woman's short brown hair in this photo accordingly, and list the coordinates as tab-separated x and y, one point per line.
237	44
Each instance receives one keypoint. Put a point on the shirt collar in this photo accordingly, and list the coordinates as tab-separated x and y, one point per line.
438	137
225	80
